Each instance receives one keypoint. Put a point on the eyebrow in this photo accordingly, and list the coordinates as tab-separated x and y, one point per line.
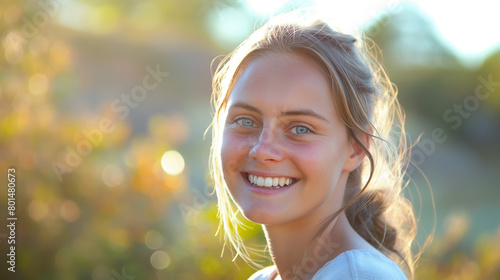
246	106
305	112
297	112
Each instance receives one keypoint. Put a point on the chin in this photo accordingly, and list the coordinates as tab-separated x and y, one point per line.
260	217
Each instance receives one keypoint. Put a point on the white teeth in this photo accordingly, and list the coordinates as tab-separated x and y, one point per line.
269	182
260	181
282	181
275	182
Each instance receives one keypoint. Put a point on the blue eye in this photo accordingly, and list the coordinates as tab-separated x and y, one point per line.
300	130
246	122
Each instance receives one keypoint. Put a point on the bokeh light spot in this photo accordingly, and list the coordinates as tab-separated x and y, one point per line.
154	240
70	211
172	162
13	53
112	175
160	260
38	84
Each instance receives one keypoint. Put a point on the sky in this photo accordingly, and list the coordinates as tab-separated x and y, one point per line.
471	28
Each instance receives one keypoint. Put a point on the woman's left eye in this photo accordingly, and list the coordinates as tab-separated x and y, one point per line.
300	130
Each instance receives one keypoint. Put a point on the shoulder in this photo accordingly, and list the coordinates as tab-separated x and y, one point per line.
263	274
360	265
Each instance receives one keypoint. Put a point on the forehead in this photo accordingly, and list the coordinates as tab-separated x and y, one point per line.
283	81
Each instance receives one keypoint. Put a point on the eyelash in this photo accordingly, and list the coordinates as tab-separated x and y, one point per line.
301	126
240	121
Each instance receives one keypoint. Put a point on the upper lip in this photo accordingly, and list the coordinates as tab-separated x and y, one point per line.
268	174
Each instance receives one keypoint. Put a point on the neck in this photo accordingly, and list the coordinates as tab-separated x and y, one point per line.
292	247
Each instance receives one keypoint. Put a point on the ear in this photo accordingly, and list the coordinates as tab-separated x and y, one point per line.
356	152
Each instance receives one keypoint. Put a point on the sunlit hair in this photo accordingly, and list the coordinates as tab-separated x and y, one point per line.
367	104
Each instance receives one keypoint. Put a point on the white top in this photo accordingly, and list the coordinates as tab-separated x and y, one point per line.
350	265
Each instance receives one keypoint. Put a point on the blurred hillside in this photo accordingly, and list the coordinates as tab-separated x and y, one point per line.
94	93
438	92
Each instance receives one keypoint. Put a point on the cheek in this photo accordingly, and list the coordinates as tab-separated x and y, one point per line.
320	163
234	149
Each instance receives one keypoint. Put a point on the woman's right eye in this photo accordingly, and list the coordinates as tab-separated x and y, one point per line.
246	122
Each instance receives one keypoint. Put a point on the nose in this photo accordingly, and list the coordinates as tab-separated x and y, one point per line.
267	147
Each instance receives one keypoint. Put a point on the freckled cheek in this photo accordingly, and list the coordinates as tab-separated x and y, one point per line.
234	151
307	156
315	159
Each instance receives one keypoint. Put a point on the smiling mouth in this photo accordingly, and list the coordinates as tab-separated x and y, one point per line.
269	182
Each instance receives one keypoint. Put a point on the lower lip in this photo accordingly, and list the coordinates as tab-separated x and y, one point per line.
263	190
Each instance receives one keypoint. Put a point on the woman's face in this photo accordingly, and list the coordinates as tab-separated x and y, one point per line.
285	152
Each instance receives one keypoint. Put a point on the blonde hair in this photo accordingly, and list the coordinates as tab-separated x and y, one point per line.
366	101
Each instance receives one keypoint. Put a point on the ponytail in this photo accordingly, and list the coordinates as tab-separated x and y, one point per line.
367	216
367	212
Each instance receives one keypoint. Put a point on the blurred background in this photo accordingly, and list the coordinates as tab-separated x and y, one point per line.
104	105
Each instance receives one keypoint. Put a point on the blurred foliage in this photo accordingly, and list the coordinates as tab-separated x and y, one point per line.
446	259
431	79
115	213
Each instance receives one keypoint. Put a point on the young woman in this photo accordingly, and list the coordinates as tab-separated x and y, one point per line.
308	141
